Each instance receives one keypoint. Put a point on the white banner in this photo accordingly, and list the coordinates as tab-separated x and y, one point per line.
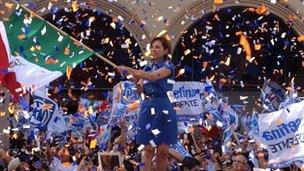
125	99
46	115
283	134
188	97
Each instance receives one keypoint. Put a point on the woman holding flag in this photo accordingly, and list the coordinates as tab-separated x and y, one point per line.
157	117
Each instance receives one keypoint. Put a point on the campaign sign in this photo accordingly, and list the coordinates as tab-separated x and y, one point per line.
43	110
283	134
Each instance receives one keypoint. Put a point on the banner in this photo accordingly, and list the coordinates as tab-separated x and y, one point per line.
43	110
188	97
283	134
125	99
178	147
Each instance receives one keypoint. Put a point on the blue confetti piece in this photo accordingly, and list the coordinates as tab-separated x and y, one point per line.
188	69
24	104
141	165
21	49
56	48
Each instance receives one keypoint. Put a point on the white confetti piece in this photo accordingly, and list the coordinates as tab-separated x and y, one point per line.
243	97
141	147
26	114
25	126
155	131
152	111
50	5
143	63
242	84
152	143
113	25
160	18
263	146
143	37
120	18
142	96
63	63
60	38
124	46
181	71
18	90
43	31
169	81
209	97
239	50
219	124
6	131
187	52
15	129
42	10
129	76
111	74
166	112
171	96
130	127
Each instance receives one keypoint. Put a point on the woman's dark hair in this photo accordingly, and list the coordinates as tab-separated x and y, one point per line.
165	43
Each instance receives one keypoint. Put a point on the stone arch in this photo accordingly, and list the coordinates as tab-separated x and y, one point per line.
279	9
131	21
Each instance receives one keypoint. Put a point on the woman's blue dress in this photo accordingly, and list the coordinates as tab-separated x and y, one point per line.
157	117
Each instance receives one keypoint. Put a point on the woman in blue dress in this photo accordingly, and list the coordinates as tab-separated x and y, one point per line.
157	117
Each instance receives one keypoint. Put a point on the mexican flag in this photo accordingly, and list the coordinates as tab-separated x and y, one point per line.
35	51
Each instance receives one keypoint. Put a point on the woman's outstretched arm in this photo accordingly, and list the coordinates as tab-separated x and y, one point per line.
140	74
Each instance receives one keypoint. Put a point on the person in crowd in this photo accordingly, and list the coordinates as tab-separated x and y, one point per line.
240	163
157	117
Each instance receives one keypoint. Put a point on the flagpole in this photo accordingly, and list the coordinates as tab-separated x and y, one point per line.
75	40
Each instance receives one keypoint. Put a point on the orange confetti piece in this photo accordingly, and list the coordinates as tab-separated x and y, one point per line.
133	107
279	121
239	33
244	42
75	6
261	9
2	114
68	72
38	47
21	36
217	2
223	81
257	47
301	38
51	61
93	144
11	109
46	106
251	9
291	18
67	51
9	5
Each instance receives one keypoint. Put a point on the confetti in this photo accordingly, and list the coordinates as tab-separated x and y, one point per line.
152	111
152	143
166	112
141	147
43	31
155	131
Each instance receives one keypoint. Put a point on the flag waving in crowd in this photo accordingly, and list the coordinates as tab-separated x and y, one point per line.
35	51
51	133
